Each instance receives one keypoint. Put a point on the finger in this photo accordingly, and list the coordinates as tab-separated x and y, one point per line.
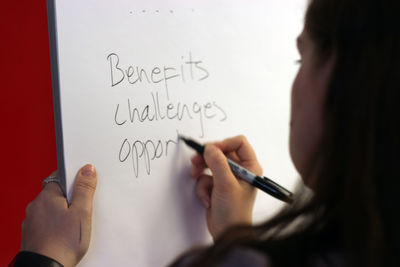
252	166
54	174
218	164
233	156
84	188
52	188
198	166
51	195
198	161
240	145
28	209
243	151
196	172
203	190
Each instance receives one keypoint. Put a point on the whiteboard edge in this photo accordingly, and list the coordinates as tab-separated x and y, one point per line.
55	78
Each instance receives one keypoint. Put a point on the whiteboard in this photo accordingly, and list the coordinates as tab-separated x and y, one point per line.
128	76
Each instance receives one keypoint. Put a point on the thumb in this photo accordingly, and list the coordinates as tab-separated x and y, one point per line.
84	188
218	164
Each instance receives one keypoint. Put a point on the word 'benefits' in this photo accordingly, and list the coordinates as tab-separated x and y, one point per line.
188	70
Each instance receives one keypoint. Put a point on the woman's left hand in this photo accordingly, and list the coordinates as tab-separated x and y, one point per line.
57	230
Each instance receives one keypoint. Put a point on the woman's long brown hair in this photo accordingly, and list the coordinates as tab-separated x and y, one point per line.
353	213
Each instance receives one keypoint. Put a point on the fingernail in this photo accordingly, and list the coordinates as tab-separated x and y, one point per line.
206	202
88	170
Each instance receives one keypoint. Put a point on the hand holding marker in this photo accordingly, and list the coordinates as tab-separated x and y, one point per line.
263	183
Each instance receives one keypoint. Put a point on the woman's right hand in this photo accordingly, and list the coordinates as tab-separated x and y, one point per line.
228	200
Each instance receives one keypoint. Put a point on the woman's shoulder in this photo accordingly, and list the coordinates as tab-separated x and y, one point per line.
236	257
250	257
245	257
327	259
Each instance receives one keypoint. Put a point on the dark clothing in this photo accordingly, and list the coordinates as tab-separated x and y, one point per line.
250	257
31	259
236	258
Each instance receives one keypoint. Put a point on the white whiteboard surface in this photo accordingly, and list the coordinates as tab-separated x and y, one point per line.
214	69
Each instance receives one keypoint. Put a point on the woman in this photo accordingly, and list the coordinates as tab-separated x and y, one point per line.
343	141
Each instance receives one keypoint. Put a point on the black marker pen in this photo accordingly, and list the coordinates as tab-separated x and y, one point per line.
262	183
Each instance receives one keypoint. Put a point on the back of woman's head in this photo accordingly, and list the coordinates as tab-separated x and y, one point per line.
353	211
359	179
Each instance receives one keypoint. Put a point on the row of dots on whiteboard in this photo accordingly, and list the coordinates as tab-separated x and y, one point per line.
153	11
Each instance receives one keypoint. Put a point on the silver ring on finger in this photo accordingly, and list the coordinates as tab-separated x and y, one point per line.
50	179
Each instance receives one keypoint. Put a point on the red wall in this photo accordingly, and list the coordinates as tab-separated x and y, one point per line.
28	150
